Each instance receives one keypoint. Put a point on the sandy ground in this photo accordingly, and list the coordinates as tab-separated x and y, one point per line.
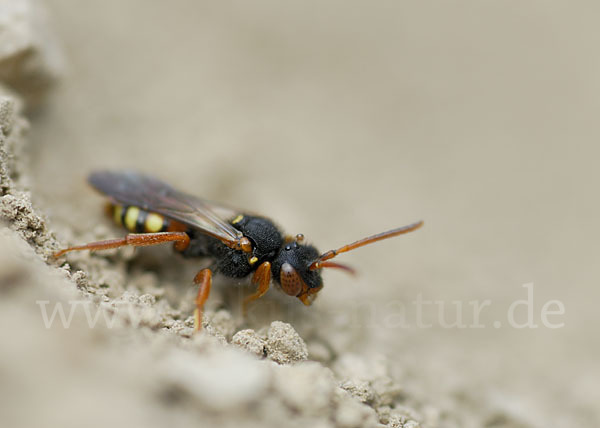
337	120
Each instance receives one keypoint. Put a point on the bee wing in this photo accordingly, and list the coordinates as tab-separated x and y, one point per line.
153	195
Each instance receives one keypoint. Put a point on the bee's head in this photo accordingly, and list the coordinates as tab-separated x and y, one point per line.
292	270
297	267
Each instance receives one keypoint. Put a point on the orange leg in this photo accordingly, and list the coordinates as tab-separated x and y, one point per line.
204	280
262	277
181	239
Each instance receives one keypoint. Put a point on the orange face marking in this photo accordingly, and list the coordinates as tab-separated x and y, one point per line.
293	285
290	281
308	295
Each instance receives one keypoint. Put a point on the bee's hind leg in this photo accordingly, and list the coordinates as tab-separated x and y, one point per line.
181	240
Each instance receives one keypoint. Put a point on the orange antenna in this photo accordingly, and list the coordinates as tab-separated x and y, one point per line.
335	265
321	261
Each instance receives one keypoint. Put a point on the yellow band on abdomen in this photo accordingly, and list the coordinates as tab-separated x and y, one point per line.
154	223
137	220
131	217
118	214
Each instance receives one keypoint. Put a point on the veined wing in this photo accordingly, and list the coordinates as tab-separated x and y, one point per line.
153	195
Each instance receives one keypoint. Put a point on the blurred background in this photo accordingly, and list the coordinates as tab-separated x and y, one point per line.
341	119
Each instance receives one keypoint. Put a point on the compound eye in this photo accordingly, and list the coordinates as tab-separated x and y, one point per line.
290	281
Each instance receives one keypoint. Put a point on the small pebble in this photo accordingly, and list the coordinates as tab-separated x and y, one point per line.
250	341
284	344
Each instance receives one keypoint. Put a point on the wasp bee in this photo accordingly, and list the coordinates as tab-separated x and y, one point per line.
239	243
